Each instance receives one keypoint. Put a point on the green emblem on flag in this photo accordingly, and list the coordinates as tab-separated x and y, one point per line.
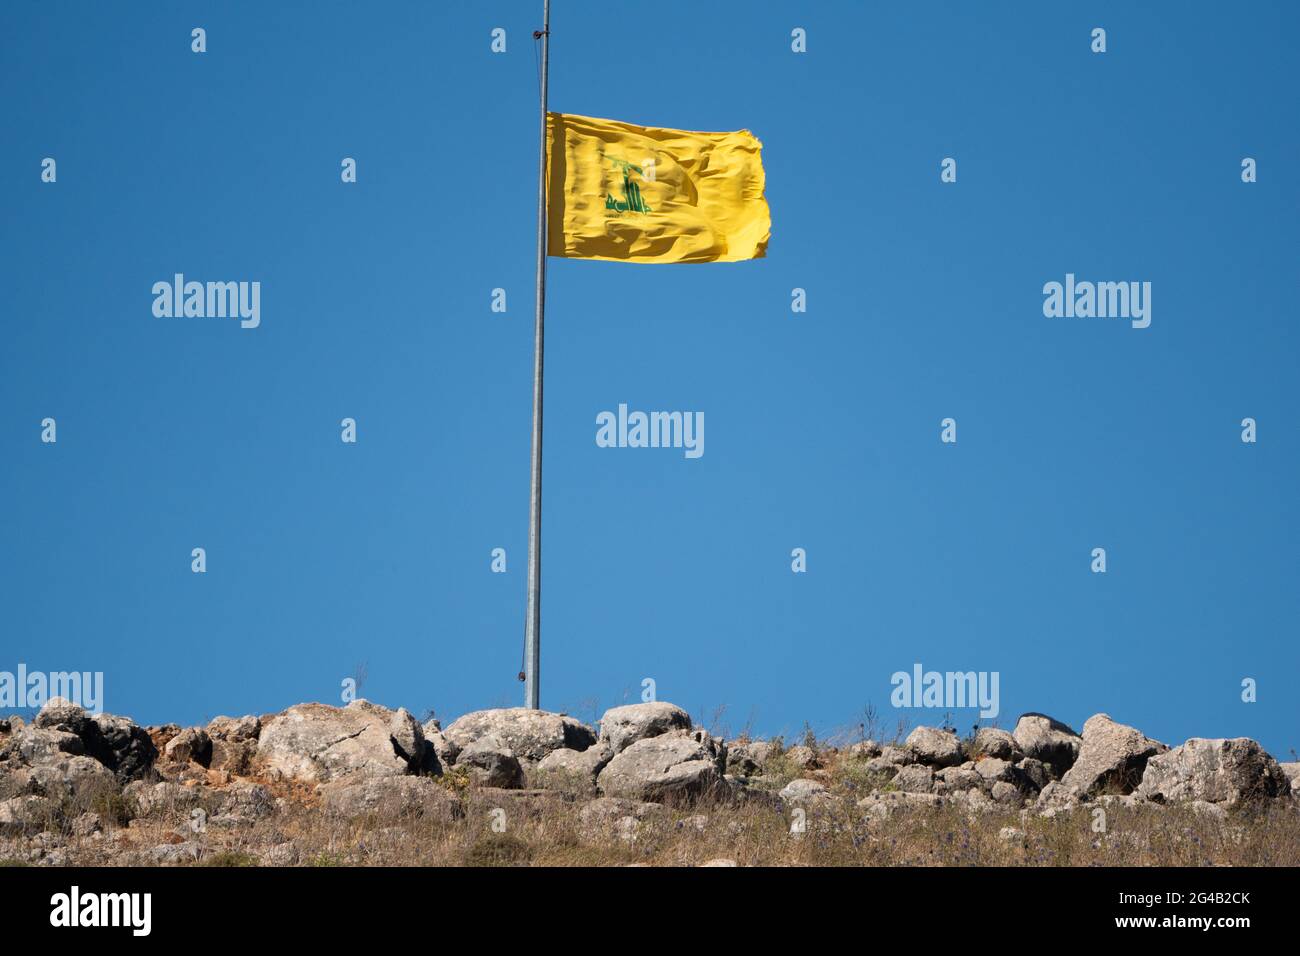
632	200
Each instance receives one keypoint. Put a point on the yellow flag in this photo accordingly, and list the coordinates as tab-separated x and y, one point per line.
645	194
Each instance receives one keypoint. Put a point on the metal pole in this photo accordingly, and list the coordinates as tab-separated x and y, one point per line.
533	623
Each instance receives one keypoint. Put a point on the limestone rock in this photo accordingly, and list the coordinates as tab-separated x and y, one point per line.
882	767
191	744
117	742
1007	794
163	800
956	779
243	802
899	756
881	807
491	763
1034	773
995	770
529	734
1112	758
319	743
1047	740
934	747
1057	797
573	771
748	758
995	742
621	727
915	778
234	743
1228	772
669	767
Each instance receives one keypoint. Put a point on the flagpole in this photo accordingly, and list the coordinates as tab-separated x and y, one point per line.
533	621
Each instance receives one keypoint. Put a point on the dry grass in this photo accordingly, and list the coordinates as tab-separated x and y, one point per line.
838	834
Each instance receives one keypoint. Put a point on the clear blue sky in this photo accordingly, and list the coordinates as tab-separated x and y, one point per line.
924	301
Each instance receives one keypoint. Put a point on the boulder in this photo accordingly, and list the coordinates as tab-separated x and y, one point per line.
1057	797
995	742
162	735
319	743
899	756
234	743
1227	772
235	728
59	713
957	779
974	800
124	747
1047	740
117	742
491	763
915	778
242	803
1292	771
439	753
529	734
408	738
748	758
621	727
880	807
993	770
62	730
716	747
1007	794
1034	773
34	745
1112	758
64	776
882	767
673	767
191	744
572	771
934	747
163	800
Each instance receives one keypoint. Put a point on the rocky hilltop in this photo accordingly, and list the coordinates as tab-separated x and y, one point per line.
366	784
